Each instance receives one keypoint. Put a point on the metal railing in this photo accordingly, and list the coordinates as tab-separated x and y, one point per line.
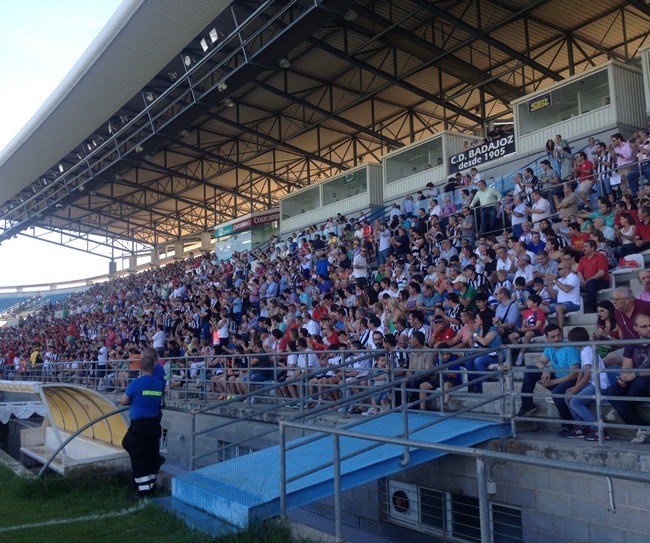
324	398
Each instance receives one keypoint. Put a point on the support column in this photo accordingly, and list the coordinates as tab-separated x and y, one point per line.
112	267
133	262
178	249
206	241
155	255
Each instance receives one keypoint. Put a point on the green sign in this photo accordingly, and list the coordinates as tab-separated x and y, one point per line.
223	231
350	178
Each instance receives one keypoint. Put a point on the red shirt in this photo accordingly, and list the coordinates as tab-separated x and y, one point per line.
591	266
634	213
578	242
443	335
642	230
586	169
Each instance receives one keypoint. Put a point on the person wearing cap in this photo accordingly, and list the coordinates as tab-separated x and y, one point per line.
448	250
441	332
466	293
474	279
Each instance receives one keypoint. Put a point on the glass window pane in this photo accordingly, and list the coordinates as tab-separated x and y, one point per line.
506	524
345	186
303	202
416	159
432	509
465	518
576	98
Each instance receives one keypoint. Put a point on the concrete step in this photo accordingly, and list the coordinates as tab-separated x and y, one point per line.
577	319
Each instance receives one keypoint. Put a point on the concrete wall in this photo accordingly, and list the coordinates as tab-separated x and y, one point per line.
557	507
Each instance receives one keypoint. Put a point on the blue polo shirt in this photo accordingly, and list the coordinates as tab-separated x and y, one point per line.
146	396
562	359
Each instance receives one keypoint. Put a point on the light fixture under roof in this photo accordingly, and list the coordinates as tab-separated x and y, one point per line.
61	168
228	102
59	206
214	36
351	15
284	63
222	86
138	149
187	59
204	45
184	133
172	75
150	96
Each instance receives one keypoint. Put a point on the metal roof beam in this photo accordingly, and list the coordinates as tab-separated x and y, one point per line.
484	35
369	22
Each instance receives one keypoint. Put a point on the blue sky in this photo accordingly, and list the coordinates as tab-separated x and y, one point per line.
40	41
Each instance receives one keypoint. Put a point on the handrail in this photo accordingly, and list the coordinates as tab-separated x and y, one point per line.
75	434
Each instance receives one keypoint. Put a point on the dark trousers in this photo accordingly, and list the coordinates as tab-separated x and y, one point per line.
488	219
142	442
593	286
414	385
630	249
638	388
528	386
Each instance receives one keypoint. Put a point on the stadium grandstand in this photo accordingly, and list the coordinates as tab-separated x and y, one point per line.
422	226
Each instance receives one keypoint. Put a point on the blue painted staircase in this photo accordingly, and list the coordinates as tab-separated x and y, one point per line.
232	494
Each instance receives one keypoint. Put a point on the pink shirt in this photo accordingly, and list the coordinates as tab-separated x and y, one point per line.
644	295
627	153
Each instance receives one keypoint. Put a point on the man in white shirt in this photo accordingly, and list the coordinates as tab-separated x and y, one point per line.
541	209
310	324
566	290
383	236
518	215
360	268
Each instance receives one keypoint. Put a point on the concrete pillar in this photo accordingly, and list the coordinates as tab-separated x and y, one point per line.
155	255
112	267
206	241
178	249
133	262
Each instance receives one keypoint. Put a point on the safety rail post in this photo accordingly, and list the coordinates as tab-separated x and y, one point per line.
502	383
338	527
595	367
346	413
193	441
441	380
483	500
405	424
283	471
511	391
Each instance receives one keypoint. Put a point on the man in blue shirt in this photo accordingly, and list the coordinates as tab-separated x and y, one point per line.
558	378
144	397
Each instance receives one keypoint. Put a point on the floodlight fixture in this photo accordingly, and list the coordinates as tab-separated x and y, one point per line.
79	156
81	188
118	177
204	45
228	102
184	133
284	63
61	169
95	144
351	15
59	206
187	60
150	96
138	149
222	86
172	75
110	127
214	36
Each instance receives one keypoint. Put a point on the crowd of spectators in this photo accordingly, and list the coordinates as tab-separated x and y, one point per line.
425	277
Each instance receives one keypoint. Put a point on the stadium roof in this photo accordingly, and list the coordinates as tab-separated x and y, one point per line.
182	115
